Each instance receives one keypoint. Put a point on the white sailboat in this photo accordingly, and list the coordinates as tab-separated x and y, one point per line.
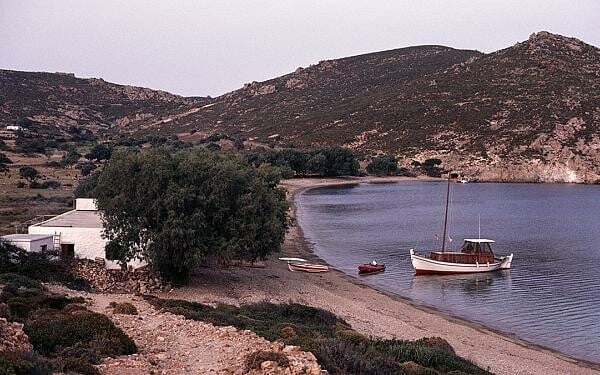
475	256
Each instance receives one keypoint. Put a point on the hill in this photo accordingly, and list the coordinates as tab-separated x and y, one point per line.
61	100
530	112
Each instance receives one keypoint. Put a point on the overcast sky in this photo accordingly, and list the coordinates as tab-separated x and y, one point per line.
211	47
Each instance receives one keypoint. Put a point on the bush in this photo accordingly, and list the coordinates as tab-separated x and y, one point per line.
255	359
86	168
125	308
383	165
22	363
50	184
28	173
37	266
82	328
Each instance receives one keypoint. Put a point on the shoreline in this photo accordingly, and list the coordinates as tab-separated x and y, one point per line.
372	311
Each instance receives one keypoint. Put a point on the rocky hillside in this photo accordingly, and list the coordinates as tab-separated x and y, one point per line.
530	112
61	100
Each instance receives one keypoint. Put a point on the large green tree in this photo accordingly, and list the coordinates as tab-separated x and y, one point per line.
177	209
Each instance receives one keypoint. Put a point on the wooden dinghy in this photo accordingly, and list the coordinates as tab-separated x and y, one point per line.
303	265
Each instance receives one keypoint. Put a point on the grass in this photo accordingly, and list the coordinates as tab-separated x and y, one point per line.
338	348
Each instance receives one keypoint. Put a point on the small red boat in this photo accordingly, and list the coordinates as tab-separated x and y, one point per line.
371	268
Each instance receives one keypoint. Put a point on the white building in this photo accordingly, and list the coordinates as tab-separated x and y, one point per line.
31	242
14	127
78	233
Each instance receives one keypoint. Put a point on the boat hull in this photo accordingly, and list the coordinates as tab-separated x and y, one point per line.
369	268
427	266
307	267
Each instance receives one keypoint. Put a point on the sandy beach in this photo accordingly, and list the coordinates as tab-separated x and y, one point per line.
369	311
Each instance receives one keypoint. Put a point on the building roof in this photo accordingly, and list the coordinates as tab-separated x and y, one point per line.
75	219
479	240
24	237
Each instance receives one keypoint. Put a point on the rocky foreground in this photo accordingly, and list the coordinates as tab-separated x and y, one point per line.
171	344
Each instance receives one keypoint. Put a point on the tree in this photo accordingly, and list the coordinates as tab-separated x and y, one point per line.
339	161
176	210
29	173
86	186
71	157
4	160
86	168
383	165
99	152
431	167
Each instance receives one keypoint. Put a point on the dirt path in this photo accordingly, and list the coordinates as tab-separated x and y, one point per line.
171	344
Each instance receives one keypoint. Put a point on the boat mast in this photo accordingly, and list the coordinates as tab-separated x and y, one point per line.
446	215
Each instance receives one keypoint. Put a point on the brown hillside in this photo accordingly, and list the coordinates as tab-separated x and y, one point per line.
529	112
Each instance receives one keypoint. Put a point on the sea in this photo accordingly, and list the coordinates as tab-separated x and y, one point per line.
550	296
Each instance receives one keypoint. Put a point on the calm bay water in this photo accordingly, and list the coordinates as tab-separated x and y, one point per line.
551	296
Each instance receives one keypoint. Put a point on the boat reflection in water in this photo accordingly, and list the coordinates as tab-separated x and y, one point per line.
470	284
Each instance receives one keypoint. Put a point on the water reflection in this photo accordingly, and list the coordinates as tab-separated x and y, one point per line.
475	283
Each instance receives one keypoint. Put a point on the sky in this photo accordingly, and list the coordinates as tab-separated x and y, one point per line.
199	48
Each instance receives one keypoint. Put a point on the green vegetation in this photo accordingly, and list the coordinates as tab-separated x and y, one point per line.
65	336
16	263
383	165
327	162
29	173
99	152
4	160
71	157
338	348
86	168
431	167
178	209
125	308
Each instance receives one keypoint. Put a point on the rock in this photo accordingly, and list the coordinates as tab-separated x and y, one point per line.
12	337
269	365
141	280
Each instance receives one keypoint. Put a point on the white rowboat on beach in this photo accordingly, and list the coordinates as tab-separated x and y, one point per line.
307	267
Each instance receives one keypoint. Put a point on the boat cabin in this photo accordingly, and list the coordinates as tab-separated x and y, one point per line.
473	251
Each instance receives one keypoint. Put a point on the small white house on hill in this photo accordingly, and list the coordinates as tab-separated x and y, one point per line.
31	242
78	233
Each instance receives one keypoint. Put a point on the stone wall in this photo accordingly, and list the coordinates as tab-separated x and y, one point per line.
141	280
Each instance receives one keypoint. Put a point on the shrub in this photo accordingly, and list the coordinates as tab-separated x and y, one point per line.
37	266
99	152
437	343
50	184
254	359
383	165
83	328
4	311
21	363
125	308
20	185
86	168
28	173
342	357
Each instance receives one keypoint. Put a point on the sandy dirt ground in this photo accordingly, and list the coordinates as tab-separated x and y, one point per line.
170	344
369	311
